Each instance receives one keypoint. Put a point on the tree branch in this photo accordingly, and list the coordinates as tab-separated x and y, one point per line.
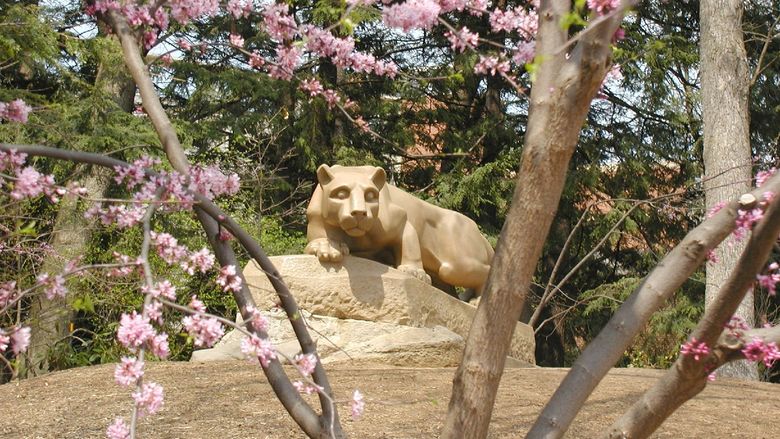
687	377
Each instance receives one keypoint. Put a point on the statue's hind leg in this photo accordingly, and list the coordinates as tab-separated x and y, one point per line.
468	273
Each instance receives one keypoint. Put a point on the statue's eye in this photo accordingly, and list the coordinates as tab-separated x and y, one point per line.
342	194
371	196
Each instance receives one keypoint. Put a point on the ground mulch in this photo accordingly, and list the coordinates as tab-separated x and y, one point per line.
233	400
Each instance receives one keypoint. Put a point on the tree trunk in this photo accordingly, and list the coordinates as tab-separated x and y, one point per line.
560	99
50	319
727	153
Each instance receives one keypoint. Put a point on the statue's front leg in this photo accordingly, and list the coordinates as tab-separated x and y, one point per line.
409	255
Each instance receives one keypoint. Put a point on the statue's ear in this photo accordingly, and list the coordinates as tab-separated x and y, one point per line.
324	175
379	178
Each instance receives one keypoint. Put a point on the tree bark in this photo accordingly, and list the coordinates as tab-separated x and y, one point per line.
727	154
560	100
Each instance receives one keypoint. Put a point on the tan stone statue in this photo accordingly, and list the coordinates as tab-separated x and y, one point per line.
354	210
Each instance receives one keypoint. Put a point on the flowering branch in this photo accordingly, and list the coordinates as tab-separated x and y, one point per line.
276	375
688	376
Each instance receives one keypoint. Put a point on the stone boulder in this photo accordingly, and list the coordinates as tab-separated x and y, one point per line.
361	289
354	341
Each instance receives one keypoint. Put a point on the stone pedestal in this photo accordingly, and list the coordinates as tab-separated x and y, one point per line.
362	289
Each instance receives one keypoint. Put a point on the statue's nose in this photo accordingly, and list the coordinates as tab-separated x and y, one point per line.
358	207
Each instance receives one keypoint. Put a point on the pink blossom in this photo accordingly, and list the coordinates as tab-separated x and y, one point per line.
745	221
305	388
692	348
228	279
736	325
258	350
524	52
164	289
357	405
185	10
287	59
134	330
306	363
211	182
159	346
53	286
20	339
490	64
154	311
715	209
168	247
128	371
118	430
239	8
150	38
184	45
5	340
452	5
15	111
312	87
256	60
763	176
278	23
331	98
712	256
201	261
412	14
7	293
236	40
759	350
12	160
602	7
204	330
258	320
161	19
527	22
30	183
462	39
166	59
149	399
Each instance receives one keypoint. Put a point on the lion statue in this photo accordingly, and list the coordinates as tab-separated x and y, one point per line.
354	210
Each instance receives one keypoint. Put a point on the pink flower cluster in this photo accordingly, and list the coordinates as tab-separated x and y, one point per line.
8	293
149	399
17	337
745	221
239	8
205	331
526	22
258	320
769	280
759	350
53	286
118	430
163	288
357	405
129	265
763	176
491	65
278	23
602	7
697	350
136	330
169	249
462	39
15	111
412	14
128	371
258	350
228	279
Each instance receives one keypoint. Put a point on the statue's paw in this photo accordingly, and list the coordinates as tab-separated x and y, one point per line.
417	272
327	250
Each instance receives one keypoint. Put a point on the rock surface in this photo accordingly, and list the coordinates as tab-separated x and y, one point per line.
360	289
355	341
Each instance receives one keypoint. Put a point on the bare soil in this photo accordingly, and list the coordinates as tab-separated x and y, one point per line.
233	400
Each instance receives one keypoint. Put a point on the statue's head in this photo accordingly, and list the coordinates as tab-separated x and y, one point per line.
351	196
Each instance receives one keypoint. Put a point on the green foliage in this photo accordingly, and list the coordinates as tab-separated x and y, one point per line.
658	344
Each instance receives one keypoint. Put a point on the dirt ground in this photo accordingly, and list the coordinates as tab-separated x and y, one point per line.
233	400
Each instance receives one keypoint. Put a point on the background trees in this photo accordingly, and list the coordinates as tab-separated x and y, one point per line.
619	202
